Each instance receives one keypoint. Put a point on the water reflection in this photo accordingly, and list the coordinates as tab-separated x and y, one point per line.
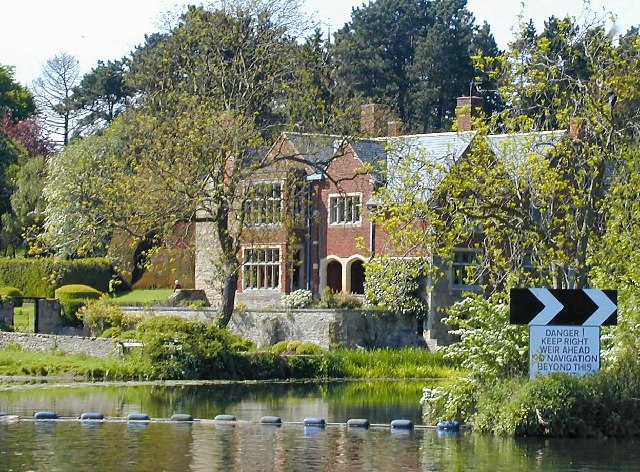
159	446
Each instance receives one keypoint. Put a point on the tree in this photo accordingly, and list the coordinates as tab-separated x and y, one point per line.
91	189
214	93
413	56
539	197
53	91
15	100
102	95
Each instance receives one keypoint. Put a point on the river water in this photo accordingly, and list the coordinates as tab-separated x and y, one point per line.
71	445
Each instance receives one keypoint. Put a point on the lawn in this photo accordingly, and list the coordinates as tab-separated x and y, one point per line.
24	318
143	296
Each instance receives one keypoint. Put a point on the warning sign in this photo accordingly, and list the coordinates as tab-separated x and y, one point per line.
571	349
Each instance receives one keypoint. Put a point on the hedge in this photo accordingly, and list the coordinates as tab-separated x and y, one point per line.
40	277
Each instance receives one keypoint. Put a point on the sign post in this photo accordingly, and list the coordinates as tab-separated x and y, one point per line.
564	327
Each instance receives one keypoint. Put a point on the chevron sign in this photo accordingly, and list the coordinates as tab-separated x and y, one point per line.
546	307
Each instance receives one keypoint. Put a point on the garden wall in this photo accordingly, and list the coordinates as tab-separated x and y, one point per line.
348	328
97	347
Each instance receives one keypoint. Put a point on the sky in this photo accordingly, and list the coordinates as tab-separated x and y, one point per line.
32	31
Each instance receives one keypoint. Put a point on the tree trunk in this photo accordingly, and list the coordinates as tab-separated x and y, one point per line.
228	295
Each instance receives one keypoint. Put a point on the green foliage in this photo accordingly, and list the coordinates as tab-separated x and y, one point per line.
24	223
391	363
14	98
41	276
103	94
73	298
338	300
561	405
297	299
412	56
9	292
394	285
176	348
308	348
85	206
106	314
489	346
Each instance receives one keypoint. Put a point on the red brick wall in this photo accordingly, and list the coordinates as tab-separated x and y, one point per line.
342	239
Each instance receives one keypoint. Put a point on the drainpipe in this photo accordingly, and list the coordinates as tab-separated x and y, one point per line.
311	178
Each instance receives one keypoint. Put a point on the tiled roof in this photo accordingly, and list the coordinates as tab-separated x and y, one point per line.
425	159
513	148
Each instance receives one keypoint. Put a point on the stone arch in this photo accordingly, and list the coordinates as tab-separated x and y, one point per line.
356	276
334	275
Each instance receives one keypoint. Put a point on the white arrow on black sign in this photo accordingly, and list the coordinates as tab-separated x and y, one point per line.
541	307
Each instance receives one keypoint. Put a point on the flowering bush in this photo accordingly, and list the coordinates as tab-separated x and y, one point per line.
298	299
490	347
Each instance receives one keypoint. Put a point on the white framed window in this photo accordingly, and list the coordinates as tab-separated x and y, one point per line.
263	204
345	208
261	268
464	268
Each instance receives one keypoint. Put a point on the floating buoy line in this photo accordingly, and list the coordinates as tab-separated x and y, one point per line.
310	422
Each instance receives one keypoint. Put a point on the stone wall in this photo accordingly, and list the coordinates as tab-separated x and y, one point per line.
204	314
6	312
326	328
97	347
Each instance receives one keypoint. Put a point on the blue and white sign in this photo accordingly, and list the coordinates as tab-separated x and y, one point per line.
571	349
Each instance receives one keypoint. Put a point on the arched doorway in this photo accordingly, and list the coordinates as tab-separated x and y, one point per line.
357	277
334	276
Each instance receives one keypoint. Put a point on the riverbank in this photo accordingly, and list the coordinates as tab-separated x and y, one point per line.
403	363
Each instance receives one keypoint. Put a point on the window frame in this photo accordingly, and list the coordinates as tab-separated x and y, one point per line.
343	206
263	210
462	266
258	273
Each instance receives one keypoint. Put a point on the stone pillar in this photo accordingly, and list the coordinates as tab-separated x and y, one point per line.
48	320
6	313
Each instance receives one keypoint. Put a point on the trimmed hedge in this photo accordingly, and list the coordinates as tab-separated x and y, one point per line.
72	298
10	292
40	277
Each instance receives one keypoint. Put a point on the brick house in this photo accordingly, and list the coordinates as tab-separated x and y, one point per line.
330	235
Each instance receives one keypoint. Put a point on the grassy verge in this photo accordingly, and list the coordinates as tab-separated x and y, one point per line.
17	362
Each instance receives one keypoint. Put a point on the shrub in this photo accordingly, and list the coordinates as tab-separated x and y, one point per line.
308	348
72	298
331	299
394	285
490	346
105	313
297	299
279	347
10	292
113	332
176	348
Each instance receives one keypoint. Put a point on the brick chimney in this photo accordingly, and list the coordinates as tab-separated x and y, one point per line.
467	108
369	117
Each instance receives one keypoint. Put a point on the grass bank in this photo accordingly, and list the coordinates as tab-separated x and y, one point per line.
342	363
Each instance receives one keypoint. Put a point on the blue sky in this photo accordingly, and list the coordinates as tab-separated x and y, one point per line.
31	31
